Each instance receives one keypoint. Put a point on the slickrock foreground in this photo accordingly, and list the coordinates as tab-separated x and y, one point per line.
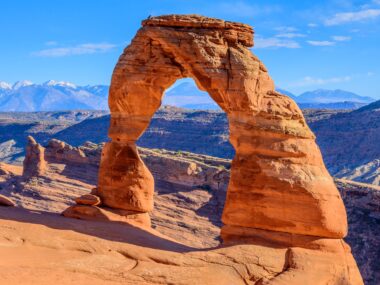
55	250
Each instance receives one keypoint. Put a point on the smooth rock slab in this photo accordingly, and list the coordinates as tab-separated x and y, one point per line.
93	213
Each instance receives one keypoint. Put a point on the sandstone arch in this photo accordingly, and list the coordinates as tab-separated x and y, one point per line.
278	179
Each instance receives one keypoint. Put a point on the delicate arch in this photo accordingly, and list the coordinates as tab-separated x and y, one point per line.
278	179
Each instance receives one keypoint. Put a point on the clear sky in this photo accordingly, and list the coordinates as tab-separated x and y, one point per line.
305	44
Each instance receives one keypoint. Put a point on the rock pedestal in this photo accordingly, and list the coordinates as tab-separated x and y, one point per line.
34	162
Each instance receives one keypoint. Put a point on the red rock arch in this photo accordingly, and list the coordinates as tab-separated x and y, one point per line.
278	179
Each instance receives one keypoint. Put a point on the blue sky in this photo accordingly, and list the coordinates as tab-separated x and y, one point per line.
306	44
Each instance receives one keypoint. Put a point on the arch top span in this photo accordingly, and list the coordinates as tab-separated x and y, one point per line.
278	178
231	31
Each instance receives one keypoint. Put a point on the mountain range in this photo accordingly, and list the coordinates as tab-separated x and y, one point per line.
187	95
25	96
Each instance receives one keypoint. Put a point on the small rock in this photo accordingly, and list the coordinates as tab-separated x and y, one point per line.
88	199
5	201
94	191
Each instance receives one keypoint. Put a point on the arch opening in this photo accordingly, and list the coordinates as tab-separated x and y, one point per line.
185	110
185	94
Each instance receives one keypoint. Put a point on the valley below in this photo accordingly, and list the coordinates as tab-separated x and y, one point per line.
348	139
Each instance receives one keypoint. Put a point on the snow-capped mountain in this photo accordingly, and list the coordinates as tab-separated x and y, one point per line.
21	84
187	95
60	95
60	83
331	96
25	96
328	99
5	85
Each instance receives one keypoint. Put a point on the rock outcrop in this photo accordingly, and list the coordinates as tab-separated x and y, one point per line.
187	169
188	213
278	179
34	162
60	151
280	194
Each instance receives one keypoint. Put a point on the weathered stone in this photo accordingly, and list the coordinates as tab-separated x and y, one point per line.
127	183
93	213
278	179
187	169
88	199
34	162
5	201
279	188
57	150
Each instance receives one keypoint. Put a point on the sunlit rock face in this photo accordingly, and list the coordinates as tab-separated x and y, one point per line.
34	162
279	191
278	179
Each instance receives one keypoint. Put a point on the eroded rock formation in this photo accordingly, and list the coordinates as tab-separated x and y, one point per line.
186	213
278	179
280	193
34	162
